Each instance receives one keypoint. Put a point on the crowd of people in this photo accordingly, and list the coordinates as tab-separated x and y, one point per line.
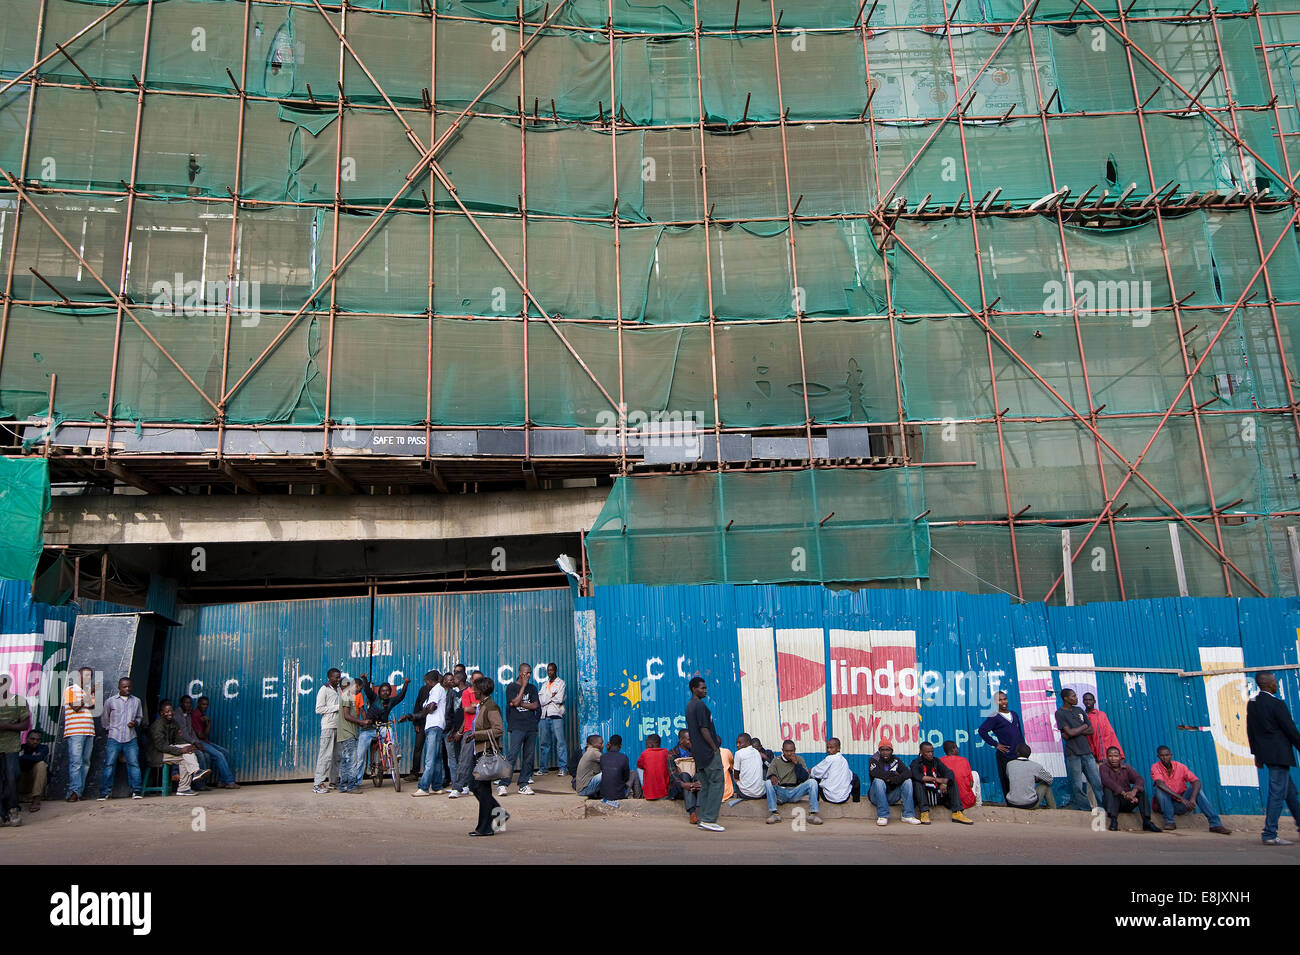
459	729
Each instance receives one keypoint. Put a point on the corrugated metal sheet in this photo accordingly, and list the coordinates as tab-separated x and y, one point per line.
261	664
649	641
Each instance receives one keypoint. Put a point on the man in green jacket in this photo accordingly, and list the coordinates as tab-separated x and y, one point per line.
166	748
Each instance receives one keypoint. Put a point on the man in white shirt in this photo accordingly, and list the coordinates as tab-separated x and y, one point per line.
553	748
327	705
435	724
836	781
748	770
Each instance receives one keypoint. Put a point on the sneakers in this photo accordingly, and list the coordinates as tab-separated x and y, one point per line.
454	794
15	820
961	817
419	792
1275	841
136	796
526	791
103	798
1171	826
882	821
1221	830
773	818
186	792
913	821
199	775
925	818
814	819
319	790
539	774
501	790
711	827
464	790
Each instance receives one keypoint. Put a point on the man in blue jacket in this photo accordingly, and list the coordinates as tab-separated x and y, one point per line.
1004	732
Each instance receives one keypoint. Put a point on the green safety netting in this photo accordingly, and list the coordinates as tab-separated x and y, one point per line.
24	501
773	527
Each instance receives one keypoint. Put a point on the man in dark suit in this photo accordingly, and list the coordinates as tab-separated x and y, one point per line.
1273	736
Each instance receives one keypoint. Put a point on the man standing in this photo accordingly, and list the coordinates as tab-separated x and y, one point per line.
417	716
123	720
327	706
708	763
1124	791
349	722
1178	790
167	748
1075	729
1273	740
203	732
552	745
79	729
932	783
468	707
521	722
891	781
15	716
455	718
433	714
1004	732
1103	734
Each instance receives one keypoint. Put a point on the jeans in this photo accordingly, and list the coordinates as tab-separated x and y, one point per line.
364	739
131	750
1080	767
9	769
327	763
689	797
348	765
592	788
552	747
220	757
79	750
779	794
710	778
1281	789
883	797
525	741
431	779
1169	809
465	768
452	746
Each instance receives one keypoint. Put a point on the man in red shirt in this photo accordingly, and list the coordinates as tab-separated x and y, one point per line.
1103	734
652	767
965	777
1178	790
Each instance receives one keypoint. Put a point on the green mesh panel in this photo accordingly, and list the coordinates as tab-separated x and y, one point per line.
25	499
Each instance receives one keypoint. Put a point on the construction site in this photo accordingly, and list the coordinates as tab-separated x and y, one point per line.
975	296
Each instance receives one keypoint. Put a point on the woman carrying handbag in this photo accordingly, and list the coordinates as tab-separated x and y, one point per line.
489	764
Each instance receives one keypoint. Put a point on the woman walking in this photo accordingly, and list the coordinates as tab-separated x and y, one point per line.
487	738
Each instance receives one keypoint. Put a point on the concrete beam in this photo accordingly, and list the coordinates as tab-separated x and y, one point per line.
184	519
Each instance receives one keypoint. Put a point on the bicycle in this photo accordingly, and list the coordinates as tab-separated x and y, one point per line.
384	757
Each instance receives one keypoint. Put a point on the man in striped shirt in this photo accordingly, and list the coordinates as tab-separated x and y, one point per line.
123	717
79	729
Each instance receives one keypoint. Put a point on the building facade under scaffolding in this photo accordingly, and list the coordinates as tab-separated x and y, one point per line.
983	296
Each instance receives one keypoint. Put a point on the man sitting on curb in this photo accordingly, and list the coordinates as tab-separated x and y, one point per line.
748	771
836	782
1123	791
1029	783
586	778
890	782
1178	790
932	783
784	784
